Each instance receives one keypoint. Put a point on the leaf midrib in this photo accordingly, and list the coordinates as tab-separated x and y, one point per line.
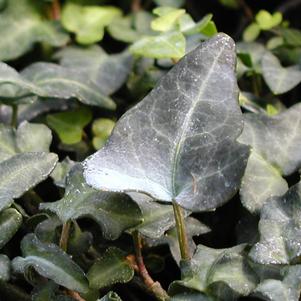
181	137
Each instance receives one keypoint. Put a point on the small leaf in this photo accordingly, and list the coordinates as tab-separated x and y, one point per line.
88	22
101	128
267	21
224	273
111	296
22	24
51	262
60	82
280	229
166	45
251	33
147	154
112	211
112	268
286	290
278	78
167	19
70	125
10	222
108	72
275	152
22	172
60	172
4	268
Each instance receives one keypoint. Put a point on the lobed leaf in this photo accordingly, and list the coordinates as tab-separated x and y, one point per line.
51	262
179	142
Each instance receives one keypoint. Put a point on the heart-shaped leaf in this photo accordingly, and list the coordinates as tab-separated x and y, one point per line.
280	230
223	273
278	78
179	144
70	125
22	24
4	268
51	262
276	151
111	268
88	22
10	222
112	211
108	72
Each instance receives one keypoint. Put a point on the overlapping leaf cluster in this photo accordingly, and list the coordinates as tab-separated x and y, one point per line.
188	136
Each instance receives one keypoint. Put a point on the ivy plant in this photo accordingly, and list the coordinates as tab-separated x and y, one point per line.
147	155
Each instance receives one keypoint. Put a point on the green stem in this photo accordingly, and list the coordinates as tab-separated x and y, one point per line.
14	117
65	236
181	230
153	286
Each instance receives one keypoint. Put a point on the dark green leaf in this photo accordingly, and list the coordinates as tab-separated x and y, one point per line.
112	211
280	230
51	262
275	152
22	172
112	268
4	268
155	146
10	222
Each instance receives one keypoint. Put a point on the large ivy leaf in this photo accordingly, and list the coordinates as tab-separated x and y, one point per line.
286	290
111	268
223	273
278	78
276	151
179	142
22	24
51	262
10	222
112	211
108	72
88	22
22	172
60	82
4	268
280	230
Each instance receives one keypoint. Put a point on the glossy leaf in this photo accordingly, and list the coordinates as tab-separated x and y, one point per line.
278	78
10	222
22	24
223	273
4	268
70	125
111	268
22	172
145	153
88	22
275	152
51	262
108	72
112	211
280	229
166	45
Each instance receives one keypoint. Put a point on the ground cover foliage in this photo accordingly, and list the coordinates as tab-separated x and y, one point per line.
147	155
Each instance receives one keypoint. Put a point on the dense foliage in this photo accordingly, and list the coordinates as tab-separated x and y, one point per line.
146	155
